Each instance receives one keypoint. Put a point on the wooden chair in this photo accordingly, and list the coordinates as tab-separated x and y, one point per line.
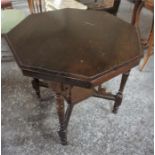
149	4
110	6
36	6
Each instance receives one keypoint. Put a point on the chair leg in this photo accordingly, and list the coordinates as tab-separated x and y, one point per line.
135	21
119	95
36	86
146	57
136	12
149	50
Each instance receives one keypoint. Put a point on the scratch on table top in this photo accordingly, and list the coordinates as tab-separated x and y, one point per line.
91	24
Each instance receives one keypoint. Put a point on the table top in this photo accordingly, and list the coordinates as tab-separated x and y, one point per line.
74	44
61	4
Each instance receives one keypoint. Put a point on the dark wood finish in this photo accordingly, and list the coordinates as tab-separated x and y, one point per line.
78	94
137	8
36	86
101	93
75	51
63	115
73	37
119	95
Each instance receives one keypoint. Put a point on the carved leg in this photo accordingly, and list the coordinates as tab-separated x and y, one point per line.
63	120
68	114
61	115
119	95
150	48
35	85
146	57
136	12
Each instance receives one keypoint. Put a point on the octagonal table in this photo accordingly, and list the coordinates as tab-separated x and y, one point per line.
75	51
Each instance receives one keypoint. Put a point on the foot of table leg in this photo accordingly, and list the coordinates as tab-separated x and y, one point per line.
63	137
118	102
64	124
35	85
119	95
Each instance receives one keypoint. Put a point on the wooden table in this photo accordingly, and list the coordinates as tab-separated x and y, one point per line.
75	51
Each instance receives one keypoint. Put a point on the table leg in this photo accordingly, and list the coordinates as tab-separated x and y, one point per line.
36	86
119	95
63	117
68	114
60	110
150	48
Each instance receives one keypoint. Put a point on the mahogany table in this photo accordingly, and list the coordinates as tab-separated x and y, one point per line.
75	51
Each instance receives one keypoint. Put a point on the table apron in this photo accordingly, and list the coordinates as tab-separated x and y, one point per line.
77	82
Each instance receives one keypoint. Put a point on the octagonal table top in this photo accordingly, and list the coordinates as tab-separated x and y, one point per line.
74	44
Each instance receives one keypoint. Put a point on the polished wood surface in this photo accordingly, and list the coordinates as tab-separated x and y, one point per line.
73	43
75	51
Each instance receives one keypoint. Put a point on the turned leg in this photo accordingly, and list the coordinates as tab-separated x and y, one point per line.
69	108
60	110
63	117
68	114
119	95
35	85
136	12
150	48
147	56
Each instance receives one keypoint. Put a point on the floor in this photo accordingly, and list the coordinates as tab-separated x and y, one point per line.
29	126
